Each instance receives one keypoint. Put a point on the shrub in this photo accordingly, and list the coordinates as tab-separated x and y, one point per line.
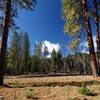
95	82
29	95
83	90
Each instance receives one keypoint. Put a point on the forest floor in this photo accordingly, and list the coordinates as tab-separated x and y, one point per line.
49	88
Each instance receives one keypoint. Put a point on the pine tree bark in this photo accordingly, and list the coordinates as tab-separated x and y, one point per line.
89	39
4	39
96	20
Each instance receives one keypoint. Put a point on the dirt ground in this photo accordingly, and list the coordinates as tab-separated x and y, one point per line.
49	88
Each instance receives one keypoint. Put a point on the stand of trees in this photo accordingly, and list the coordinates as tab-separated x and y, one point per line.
18	55
77	15
19	60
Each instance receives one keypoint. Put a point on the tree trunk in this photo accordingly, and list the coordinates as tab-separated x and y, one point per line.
84	63
96	19
89	39
4	40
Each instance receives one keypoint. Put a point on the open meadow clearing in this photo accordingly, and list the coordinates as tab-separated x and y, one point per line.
49	49
49	88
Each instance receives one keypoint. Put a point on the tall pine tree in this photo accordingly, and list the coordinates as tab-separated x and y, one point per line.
13	53
26	53
8	6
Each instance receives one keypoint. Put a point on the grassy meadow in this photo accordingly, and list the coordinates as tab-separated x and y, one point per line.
49	88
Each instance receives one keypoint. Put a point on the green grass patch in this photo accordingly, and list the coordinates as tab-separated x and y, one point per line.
83	89
95	82
29	95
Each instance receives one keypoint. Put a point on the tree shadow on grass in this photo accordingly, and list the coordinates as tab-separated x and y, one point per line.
72	83
35	98
92	94
40	84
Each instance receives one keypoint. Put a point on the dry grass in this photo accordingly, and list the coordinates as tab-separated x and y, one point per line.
49	88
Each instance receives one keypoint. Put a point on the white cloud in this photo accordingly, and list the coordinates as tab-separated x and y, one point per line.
85	45
48	56
50	46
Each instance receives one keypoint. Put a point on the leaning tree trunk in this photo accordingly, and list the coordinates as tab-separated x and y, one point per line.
89	39
4	39
96	19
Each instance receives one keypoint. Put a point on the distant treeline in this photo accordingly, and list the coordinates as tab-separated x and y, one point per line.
20	61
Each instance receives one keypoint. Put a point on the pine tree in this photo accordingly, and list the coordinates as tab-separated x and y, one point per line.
76	17
26	53
53	61
96	20
37	57
8	6
36	62
89	38
4	39
59	61
13	53
45	52
38	49
20	69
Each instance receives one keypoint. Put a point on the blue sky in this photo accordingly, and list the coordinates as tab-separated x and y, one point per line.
44	23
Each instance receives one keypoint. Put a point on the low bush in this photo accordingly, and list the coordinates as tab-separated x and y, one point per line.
83	89
95	82
29	95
